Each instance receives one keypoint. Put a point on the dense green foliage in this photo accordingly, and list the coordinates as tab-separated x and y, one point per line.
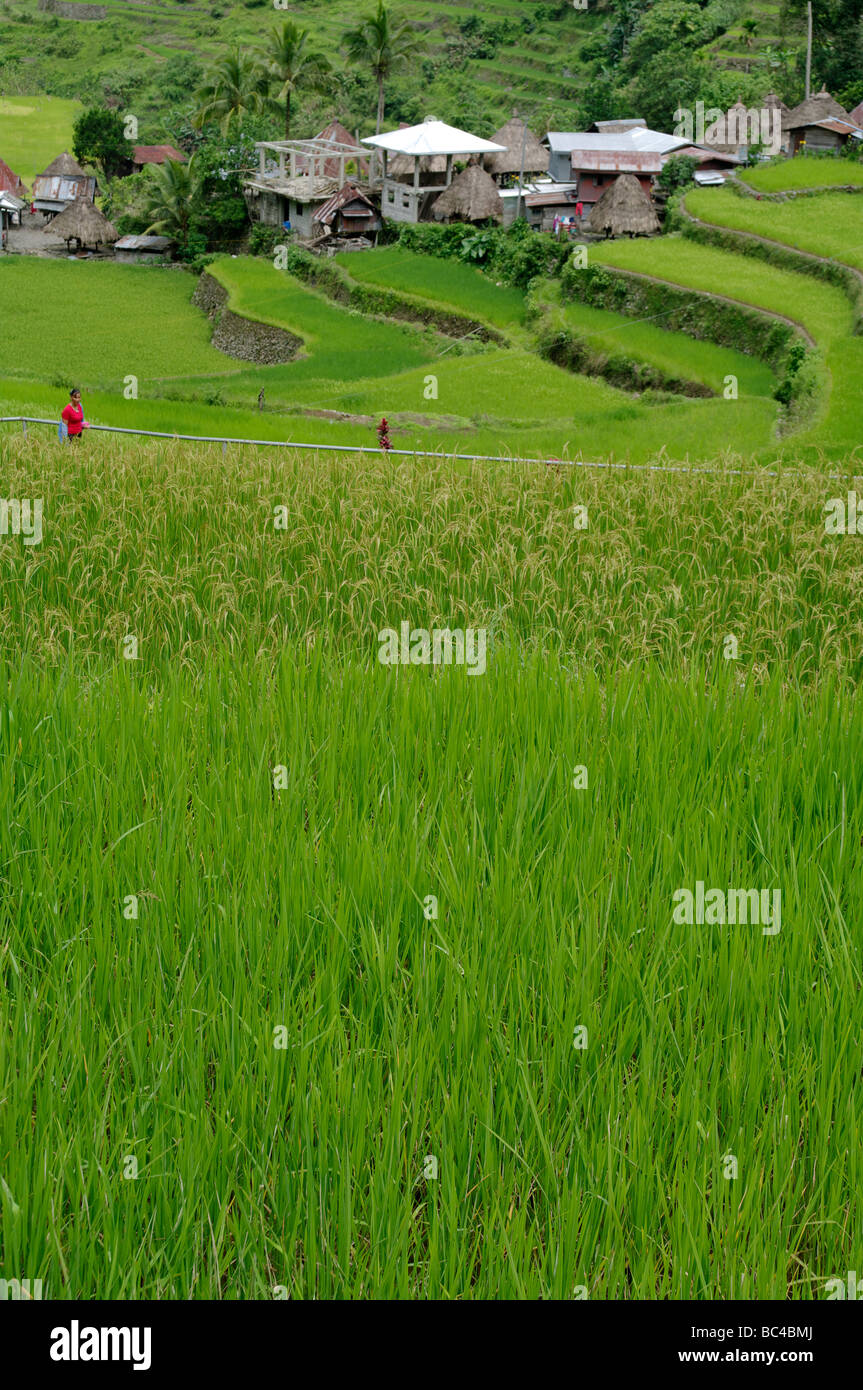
100	139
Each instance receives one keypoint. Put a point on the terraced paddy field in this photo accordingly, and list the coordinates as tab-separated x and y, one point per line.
830	225
284	924
803	172
822	310
441	388
675	354
443	282
353	370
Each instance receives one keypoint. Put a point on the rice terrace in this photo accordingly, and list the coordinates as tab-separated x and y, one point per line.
431	549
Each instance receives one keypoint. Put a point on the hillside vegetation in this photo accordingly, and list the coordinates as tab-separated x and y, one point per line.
557	64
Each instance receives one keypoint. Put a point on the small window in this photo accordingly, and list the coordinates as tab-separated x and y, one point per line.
406	202
392	195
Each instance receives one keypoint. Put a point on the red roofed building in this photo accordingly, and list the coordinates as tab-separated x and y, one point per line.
11	182
155	154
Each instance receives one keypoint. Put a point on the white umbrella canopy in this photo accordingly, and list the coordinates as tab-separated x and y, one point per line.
433	137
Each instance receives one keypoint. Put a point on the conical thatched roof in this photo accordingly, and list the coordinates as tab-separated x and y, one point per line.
83	221
64	166
624	207
471	197
820	107
401	164
512	135
773	102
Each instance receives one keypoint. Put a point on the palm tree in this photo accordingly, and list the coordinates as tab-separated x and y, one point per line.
383	44
170	200
237	87
293	65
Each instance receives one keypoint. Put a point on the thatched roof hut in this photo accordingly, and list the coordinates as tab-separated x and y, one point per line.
402	165
65	167
82	221
623	207
820	107
772	102
515	134
472	196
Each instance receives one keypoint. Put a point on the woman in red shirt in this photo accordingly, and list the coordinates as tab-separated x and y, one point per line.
73	415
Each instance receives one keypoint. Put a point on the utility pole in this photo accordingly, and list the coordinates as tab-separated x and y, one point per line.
808	47
521	175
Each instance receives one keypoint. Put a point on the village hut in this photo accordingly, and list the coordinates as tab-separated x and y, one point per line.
83	222
431	139
156	154
624	208
819	124
516	135
61	184
63	167
349	213
772	102
473	196
403	166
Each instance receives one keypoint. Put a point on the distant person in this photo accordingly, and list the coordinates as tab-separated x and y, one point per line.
73	415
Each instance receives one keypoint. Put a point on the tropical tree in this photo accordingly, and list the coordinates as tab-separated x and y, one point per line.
99	137
293	66
171	200
237	87
383	44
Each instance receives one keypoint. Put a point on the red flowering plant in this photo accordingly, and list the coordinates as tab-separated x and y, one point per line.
384	435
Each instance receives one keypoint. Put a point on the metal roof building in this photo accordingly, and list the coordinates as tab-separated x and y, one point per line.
432	138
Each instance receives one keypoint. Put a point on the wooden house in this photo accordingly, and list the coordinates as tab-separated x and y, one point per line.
349	213
292	184
62	183
819	125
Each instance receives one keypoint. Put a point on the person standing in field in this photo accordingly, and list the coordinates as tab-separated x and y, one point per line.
73	415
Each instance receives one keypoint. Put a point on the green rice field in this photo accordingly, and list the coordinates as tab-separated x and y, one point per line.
350	980
830	225
803	171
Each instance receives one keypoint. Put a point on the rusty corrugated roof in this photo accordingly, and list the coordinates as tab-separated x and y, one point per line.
348	193
156	154
58	189
616	161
